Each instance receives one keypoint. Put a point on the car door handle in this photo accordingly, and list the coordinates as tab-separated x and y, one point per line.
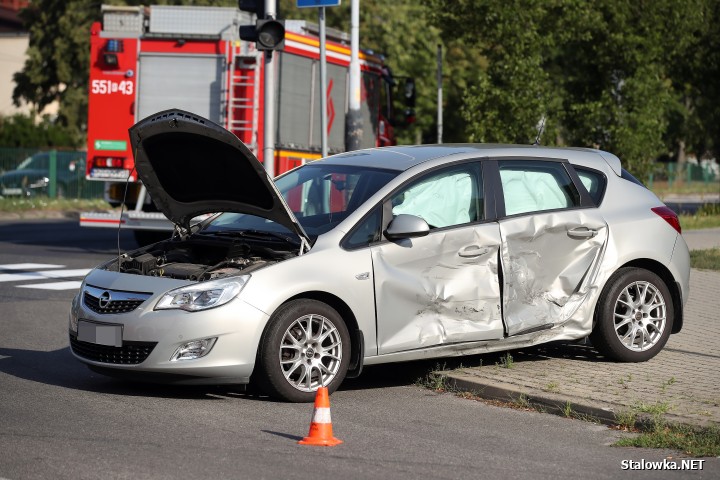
473	251
582	232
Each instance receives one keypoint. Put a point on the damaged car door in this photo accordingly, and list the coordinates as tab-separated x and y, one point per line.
437	285
553	240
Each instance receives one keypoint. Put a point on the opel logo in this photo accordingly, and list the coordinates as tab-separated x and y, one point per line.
104	299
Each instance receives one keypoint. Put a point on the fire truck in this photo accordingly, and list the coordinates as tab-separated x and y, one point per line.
147	59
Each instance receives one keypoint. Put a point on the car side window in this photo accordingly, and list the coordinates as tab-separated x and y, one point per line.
535	186
450	197
366	232
594	182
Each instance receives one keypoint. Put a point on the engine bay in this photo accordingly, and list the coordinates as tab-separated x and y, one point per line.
199	258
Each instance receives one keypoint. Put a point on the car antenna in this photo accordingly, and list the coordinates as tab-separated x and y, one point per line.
541	129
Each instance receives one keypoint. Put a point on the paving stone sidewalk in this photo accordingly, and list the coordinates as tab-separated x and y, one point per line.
683	379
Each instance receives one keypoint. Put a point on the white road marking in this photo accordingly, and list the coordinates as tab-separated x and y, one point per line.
71	285
19	277
28	266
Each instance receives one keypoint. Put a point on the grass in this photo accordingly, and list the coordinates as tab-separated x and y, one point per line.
506	361
29	204
662	188
696	442
705	259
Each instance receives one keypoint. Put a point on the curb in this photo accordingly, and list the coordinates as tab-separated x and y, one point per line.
602	412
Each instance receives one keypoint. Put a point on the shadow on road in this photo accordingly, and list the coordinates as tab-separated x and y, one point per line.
59	368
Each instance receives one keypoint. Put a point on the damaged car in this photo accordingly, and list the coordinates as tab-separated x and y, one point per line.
374	256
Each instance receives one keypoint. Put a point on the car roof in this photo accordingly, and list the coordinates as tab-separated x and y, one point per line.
401	158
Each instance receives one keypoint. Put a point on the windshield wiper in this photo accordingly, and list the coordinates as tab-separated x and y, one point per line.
253	233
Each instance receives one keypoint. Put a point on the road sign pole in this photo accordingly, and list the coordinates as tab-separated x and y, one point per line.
323	84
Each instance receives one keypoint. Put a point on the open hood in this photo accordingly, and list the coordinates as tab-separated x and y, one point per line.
191	166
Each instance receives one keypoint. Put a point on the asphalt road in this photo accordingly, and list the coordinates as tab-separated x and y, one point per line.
59	420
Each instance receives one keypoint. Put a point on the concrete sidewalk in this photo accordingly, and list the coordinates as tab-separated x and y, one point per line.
683	380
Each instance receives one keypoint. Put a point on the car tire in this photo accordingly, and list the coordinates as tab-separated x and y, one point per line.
292	364
634	316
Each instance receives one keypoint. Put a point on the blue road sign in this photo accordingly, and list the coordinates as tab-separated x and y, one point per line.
317	3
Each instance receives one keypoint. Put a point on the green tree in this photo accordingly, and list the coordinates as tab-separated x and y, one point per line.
612	75
21	131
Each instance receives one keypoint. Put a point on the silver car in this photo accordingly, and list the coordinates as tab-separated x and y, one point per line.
374	256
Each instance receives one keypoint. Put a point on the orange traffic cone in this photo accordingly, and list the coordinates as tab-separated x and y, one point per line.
321	425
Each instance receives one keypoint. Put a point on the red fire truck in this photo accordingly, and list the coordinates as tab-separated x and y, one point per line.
147	59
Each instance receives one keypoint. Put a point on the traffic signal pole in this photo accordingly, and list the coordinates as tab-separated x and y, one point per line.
269	95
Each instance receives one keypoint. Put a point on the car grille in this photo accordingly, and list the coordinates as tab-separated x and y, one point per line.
112	301
131	353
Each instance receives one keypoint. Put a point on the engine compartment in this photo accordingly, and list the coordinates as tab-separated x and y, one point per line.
199	258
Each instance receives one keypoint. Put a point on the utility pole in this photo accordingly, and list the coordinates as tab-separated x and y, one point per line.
354	120
440	95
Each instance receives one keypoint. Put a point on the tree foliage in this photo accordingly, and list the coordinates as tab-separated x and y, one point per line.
21	131
628	77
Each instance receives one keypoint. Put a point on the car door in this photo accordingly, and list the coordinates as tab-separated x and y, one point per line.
553	239
443	287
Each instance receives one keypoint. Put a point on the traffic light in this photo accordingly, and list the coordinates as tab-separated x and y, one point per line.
267	33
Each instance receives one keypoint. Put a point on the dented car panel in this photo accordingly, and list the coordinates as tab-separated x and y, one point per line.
438	289
301	281
550	262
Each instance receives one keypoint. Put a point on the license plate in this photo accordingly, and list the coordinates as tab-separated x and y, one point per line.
108	335
12	191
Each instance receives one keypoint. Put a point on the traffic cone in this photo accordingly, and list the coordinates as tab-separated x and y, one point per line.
321	425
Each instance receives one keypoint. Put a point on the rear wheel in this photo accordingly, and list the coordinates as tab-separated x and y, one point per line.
634	316
306	346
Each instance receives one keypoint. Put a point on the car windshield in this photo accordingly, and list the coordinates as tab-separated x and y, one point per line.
320	196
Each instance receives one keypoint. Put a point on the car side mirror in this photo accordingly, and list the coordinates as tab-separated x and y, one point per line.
406	226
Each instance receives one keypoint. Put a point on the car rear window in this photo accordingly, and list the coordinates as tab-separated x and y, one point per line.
594	182
629	177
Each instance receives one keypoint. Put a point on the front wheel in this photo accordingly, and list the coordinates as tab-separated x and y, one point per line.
634	316
306	346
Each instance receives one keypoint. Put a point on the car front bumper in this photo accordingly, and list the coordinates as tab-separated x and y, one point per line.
150	338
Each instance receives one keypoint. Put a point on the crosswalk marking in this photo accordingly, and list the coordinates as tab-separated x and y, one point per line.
18	277
70	285
22	272
28	266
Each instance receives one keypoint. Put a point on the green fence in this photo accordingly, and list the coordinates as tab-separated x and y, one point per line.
43	172
703	175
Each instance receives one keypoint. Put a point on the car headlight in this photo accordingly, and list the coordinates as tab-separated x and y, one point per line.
203	295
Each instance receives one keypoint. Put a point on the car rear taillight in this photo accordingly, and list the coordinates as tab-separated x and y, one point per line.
669	216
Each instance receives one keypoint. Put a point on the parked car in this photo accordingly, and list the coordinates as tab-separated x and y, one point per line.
373	256
32	176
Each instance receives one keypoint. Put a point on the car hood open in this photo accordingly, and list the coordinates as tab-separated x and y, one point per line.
192	166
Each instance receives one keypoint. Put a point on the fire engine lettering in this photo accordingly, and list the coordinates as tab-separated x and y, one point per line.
107	87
